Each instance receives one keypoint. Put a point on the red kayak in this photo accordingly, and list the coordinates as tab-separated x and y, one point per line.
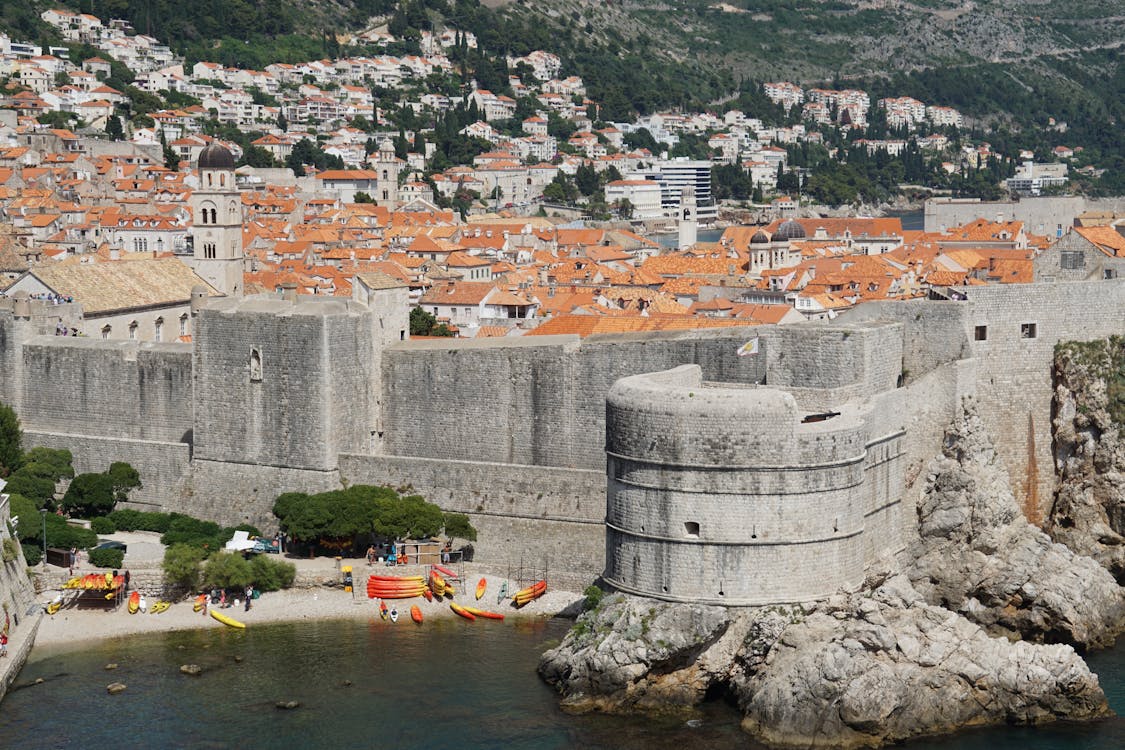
445	571
416	614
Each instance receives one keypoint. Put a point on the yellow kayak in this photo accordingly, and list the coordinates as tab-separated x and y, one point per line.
227	620
159	607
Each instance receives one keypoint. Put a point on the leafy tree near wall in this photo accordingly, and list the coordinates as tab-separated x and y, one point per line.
336	518
11	452
94	494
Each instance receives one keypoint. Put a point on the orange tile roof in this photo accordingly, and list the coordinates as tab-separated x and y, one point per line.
589	325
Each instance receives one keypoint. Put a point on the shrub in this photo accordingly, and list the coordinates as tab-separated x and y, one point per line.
127	519
270	574
102	525
107	557
37	489
181	565
62	534
226	570
187	530
593	596
11	550
32	553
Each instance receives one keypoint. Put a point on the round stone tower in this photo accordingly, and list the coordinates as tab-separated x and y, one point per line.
728	494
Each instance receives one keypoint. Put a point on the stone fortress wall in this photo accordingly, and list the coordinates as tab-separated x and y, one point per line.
513	432
723	495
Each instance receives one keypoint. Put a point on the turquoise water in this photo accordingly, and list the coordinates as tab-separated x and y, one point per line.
446	684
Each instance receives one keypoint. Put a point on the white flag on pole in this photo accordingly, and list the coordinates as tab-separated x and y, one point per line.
750	347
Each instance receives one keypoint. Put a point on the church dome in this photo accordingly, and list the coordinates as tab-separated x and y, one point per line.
216	156
760	238
789	230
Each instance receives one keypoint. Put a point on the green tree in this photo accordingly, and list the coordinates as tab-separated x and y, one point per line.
226	570
182	565
11	438
124	479
421	322
586	179
90	495
113	128
457	526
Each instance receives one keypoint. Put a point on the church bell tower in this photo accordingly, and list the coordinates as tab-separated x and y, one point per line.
216	209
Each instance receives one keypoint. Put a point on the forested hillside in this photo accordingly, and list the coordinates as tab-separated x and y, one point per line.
1009	66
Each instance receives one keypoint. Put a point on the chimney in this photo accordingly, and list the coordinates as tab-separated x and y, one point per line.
289	291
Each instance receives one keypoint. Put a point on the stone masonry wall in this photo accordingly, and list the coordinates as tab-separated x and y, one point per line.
118	389
705	483
164	467
533	513
1014	385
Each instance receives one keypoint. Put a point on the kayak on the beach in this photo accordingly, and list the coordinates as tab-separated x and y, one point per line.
134	602
462	611
416	614
229	621
531	593
483	613
482	584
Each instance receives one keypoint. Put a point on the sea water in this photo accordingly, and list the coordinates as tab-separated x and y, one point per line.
373	684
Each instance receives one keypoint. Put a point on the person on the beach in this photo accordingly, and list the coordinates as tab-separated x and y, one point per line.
223	599
3	644
249	593
371	555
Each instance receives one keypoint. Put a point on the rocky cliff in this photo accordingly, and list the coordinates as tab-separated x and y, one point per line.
978	556
858	670
913	653
1089	407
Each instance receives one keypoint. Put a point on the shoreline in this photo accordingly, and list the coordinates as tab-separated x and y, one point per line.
77	627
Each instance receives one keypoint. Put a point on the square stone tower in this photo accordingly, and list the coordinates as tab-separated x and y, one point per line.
216	209
285	382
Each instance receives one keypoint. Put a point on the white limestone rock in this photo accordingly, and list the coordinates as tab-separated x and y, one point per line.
635	653
1089	511
895	668
978	556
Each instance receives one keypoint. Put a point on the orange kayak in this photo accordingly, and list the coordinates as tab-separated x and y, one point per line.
532	592
134	602
481	586
484	613
462	611
428	594
416	614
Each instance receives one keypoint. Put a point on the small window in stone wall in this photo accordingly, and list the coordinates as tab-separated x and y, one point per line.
1029	331
255	366
691	529
1072	260
980	333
